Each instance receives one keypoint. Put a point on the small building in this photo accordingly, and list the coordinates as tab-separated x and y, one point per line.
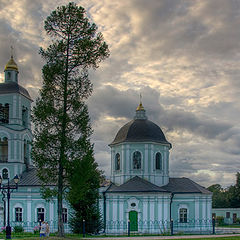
142	192
230	215
27	208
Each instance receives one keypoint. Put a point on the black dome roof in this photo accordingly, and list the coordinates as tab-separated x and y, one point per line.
140	130
13	87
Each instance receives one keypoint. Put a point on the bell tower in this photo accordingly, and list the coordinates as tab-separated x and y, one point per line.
15	124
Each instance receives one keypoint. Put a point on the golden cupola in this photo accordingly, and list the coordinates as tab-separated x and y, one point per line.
140	111
11	71
140	107
11	65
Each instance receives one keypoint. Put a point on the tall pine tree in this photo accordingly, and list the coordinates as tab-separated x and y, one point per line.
61	119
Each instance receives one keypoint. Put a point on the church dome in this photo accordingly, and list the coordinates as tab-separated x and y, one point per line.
140	129
11	65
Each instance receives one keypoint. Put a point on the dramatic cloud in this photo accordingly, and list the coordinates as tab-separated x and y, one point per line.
183	56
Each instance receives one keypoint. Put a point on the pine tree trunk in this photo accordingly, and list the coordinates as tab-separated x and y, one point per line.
60	193
62	150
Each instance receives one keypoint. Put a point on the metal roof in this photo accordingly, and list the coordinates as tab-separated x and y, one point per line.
184	185
29	178
175	185
140	130
135	184
13	87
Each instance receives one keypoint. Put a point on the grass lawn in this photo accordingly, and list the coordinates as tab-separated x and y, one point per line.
228	226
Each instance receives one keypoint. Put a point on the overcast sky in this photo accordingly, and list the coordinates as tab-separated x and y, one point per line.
183	56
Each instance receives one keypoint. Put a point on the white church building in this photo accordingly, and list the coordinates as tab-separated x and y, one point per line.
142	192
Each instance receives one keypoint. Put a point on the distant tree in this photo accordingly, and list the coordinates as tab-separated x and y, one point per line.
234	193
62	146
215	188
219	198
229	197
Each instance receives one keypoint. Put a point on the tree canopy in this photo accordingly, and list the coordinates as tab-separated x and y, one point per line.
229	197
62	125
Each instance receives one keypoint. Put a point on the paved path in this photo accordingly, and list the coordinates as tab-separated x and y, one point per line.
226	230
163	237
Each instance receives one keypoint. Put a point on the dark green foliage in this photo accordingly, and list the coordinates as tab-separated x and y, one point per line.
229	197
93	223
219	198
83	194
220	220
62	130
18	229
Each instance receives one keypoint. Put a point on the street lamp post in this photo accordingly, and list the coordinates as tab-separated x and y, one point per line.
7	189
4	209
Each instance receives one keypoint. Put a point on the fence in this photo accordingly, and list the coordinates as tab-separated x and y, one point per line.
227	225
192	226
204	226
34	226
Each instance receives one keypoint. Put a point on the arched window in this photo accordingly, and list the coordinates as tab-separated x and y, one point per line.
4	113
137	160
26	152
40	214
183	215
3	150
117	162
8	76
64	215
24	116
18	214
158	161
5	173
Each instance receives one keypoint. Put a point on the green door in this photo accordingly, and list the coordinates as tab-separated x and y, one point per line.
133	217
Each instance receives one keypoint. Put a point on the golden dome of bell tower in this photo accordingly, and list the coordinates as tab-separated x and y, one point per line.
11	70
11	65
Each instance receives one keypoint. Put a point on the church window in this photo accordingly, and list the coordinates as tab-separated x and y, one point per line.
137	160
18	214
133	204
183	215
64	215
117	162
8	76
227	214
24	116
40	214
25	152
4	113
5	173
158	161
3	150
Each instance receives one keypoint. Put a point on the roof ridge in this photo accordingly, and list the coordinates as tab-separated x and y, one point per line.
198	185
136	184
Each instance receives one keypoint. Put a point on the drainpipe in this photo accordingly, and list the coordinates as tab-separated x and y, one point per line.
171	198
104	211
171	220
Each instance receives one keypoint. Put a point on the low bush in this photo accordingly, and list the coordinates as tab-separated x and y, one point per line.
18	229
220	220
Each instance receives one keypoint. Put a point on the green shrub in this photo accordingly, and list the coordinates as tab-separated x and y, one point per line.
238	220
18	229
220	220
